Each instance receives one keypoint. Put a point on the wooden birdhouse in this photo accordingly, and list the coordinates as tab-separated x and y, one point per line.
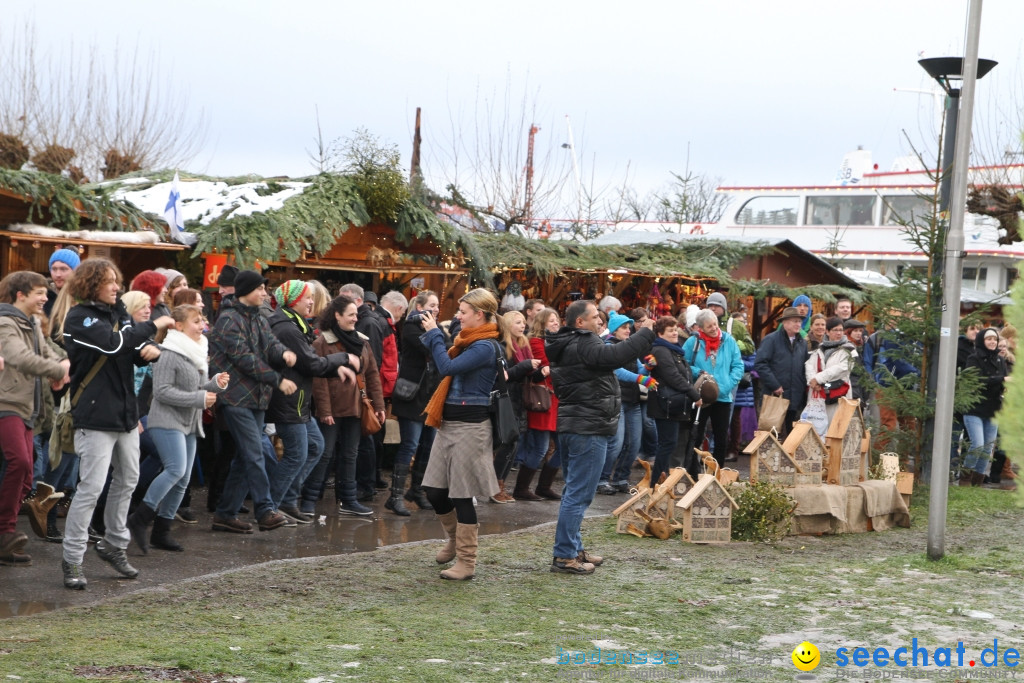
684	485
707	512
632	514
808	451
847	443
769	461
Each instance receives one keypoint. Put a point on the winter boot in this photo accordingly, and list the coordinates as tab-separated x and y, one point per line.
39	507
138	525
977	478
547	477
161	537
395	502
965	477
415	493
465	553
447	553
523	481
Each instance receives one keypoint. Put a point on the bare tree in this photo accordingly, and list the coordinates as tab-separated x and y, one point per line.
116	113
691	199
483	159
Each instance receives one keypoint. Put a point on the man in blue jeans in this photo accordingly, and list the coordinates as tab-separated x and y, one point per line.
303	442
242	345
582	368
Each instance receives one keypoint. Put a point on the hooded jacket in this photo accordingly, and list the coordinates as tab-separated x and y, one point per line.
582	375
27	359
108	403
992	370
292	331
242	345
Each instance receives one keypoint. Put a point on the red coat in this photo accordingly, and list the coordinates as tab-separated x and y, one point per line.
543	421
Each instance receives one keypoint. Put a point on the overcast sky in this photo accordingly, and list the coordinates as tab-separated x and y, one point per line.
753	92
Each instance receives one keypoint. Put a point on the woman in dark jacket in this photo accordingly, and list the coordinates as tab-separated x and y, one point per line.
521	364
671	404
417	381
978	421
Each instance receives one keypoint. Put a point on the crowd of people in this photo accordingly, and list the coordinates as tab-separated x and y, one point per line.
109	391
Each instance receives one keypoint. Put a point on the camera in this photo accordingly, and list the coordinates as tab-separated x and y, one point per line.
414	316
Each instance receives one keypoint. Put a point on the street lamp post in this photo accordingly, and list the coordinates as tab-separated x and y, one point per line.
948	73
967	70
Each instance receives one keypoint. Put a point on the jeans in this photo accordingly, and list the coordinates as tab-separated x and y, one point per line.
343	437
99	451
247	474
303	446
177	452
416	438
366	463
583	457
40	444
533	448
982	432
649	441
668	438
614	447
631	423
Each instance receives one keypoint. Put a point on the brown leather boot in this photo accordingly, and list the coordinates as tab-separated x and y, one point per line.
447	553
1008	472
977	478
965	478
523	481
502	495
544	482
39	506
465	553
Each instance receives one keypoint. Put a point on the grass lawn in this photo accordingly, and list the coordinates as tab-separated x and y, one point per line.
732	612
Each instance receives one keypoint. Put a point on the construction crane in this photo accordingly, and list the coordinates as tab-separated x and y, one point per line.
528	207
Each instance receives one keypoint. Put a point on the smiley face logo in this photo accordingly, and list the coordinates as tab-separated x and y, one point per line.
806	656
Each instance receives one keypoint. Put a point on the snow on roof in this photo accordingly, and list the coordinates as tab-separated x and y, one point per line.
206	201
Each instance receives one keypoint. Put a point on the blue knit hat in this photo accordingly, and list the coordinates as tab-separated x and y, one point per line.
65	256
617	320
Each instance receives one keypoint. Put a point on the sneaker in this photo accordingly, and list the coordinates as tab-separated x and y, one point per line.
571	565
53	534
606	488
271	520
117	559
502	497
586	557
354	508
185	516
622	487
294	514
94	536
235	525
73	576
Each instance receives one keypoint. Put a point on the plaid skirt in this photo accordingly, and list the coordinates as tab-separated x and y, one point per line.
462	460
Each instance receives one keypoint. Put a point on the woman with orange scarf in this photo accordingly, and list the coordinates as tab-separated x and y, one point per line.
461	463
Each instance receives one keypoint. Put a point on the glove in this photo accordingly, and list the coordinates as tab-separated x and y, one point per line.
647	381
650	361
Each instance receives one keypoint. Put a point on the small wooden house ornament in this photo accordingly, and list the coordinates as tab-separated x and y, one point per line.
707	512
630	519
847	443
808	451
769	461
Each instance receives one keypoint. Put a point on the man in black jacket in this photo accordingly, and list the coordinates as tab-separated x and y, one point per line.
303	442
104	344
582	372
780	365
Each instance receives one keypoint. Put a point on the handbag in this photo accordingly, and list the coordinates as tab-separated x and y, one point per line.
536	397
705	384
673	403
834	390
406	389
62	438
816	414
746	381
504	424
368	419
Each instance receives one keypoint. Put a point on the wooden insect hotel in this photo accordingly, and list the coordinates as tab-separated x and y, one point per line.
847	444
808	452
707	512
769	461
652	512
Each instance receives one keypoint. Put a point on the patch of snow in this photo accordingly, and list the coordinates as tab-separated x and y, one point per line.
436	661
347	646
206	201
608	644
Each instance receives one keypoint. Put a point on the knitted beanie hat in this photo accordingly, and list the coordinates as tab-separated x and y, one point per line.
289	292
65	256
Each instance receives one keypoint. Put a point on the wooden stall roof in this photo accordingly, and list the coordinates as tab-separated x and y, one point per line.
82	238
